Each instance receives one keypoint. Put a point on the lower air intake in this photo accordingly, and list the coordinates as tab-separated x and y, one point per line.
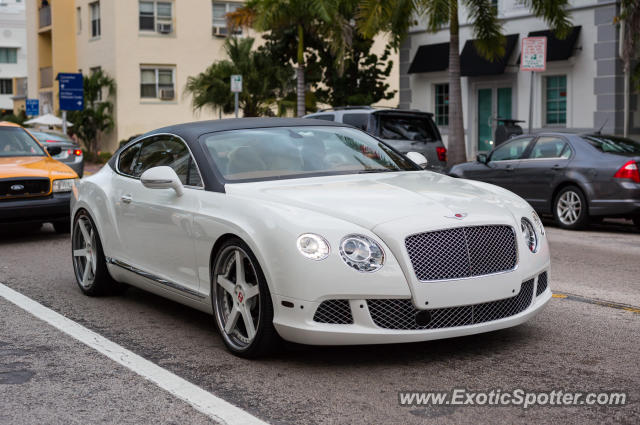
335	312
542	283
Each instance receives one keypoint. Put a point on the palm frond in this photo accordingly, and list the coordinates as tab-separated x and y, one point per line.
487	29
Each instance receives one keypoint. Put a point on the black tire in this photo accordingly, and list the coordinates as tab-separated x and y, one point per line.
62	226
102	282
579	218
266	338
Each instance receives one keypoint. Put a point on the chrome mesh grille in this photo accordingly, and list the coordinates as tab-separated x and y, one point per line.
462	252
334	311
401	314
542	283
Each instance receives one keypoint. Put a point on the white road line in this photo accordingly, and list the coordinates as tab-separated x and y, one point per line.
203	401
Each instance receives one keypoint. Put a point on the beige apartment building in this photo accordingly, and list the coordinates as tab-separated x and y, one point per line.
148	47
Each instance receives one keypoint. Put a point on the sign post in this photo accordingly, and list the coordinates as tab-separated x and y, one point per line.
70	95
32	107
236	87
534	59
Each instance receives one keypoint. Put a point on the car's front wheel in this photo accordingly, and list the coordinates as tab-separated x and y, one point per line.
570	208
89	263
241	301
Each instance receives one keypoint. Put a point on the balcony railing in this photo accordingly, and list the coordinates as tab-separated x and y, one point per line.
45	16
46	77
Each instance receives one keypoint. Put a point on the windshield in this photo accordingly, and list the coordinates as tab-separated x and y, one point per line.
612	144
14	141
417	128
272	153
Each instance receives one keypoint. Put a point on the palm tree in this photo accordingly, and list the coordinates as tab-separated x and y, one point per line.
393	16
630	18
307	17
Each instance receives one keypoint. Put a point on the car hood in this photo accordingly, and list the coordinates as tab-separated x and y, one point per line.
373	199
34	166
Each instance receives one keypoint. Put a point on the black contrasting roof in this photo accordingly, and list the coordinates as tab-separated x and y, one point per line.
558	50
430	58
473	64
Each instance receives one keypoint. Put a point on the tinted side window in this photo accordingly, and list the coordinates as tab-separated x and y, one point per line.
356	120
325	117
170	152
550	147
128	159
511	150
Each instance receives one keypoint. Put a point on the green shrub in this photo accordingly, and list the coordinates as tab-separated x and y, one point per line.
104	157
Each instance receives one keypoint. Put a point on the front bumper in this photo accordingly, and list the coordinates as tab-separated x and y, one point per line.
297	324
55	207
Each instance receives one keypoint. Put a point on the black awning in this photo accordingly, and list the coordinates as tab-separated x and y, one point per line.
558	50
430	58
473	64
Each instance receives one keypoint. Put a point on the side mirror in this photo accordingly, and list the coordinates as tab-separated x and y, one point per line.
418	158
162	178
482	158
53	150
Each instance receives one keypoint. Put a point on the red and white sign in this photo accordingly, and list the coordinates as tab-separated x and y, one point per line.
534	54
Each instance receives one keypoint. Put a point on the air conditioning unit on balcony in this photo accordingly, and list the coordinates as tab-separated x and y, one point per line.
167	94
165	27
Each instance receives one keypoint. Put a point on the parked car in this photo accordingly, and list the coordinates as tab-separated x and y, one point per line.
575	177
70	151
405	130
308	230
34	187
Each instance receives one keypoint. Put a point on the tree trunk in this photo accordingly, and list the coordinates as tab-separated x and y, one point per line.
300	73
457	146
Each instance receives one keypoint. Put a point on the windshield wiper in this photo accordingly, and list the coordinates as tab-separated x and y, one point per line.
376	170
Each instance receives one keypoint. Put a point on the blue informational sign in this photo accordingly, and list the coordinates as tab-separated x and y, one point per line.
33	107
71	92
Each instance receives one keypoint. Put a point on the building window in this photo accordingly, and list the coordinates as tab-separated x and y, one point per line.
220	10
6	86
156	16
442	104
556	100
78	20
494	7
94	9
92	71
157	83
8	55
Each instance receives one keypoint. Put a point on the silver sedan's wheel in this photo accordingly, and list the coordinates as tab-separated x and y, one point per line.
84	252
569	207
237	297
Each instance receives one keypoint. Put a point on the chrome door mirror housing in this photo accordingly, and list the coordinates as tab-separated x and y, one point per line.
418	158
162	177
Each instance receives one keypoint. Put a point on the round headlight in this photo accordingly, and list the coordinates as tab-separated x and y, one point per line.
537	222
530	237
313	246
362	253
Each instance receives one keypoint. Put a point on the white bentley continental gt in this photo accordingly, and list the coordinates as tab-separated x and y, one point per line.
309	231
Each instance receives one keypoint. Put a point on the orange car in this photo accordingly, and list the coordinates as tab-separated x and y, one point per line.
33	186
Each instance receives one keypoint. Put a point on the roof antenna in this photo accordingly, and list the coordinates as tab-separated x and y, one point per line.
599	132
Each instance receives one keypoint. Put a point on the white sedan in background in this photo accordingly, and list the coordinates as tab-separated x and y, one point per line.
311	231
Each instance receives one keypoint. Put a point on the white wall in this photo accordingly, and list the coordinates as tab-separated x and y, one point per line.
13	34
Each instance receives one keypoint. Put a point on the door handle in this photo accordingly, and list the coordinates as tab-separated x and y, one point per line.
509	168
126	199
556	167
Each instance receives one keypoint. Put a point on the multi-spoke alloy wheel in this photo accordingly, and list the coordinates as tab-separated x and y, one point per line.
241	301
570	208
89	263
84	252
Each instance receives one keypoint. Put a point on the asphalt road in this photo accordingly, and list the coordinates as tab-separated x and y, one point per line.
587	341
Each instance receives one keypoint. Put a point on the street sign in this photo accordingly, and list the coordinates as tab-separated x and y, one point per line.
71	93
33	107
236	83
534	54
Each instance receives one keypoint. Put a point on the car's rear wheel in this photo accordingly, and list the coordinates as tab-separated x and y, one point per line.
570	208
241	301
89	263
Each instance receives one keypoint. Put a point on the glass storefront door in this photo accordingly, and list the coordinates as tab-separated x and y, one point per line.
493	103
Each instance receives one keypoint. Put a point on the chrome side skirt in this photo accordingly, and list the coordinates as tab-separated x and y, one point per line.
154	278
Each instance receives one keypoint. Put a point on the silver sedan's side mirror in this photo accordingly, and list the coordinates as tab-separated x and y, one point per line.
162	177
418	158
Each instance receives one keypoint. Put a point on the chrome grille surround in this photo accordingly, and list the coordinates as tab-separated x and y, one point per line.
542	283
462	252
400	314
334	311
